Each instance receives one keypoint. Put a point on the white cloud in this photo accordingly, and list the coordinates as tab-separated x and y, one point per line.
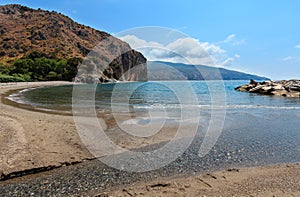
297	46
183	50
229	38
239	42
237	56
291	59
288	58
227	62
196	52
136	42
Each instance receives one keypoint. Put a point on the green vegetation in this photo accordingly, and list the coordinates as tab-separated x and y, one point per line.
37	67
7	78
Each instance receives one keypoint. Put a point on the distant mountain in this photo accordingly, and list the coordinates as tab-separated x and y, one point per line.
24	31
158	70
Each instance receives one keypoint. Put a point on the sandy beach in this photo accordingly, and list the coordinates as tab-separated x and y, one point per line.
277	180
31	140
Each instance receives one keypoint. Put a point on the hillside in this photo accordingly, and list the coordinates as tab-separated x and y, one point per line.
24	31
158	70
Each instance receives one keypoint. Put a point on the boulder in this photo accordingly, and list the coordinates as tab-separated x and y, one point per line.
286	88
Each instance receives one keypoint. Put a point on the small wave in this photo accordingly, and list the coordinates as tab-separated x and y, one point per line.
181	106
16	97
262	107
26	90
53	110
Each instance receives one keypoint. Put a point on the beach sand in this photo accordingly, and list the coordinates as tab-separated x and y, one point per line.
31	139
278	180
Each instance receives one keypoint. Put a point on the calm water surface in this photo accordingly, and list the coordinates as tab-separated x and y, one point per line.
154	94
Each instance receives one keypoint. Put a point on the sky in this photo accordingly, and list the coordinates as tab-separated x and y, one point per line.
255	36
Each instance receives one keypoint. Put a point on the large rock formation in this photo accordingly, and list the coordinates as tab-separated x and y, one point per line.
24	30
290	88
123	64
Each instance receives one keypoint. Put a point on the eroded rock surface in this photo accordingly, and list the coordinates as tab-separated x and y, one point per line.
286	88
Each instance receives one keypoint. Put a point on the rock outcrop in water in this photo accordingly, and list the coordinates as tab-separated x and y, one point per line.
286	88
24	30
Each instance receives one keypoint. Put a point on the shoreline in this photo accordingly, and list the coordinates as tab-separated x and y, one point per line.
30	139
42	140
26	106
46	140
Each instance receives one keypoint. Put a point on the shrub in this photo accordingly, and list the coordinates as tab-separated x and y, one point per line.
7	78
42	68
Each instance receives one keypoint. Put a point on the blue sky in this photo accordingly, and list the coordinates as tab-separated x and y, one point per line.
256	36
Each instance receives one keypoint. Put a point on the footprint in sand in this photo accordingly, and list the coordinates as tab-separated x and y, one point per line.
13	144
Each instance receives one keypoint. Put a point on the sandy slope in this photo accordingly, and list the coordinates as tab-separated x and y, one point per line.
31	139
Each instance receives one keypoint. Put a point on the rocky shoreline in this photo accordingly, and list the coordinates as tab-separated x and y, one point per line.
286	88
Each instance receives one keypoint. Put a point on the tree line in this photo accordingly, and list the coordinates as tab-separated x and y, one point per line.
37	67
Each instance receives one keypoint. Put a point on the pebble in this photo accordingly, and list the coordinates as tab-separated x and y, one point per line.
93	177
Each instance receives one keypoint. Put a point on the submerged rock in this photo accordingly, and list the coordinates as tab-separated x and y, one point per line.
287	88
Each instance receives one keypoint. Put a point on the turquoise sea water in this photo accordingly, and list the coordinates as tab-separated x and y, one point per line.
156	94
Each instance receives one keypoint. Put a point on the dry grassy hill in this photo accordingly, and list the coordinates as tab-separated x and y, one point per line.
24	30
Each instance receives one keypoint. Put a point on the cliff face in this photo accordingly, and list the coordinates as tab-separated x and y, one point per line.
112	61
24	30
132	65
